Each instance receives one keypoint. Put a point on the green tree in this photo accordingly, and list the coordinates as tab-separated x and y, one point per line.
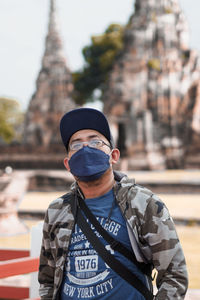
11	119
99	57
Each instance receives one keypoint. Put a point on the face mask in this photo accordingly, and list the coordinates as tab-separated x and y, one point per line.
89	164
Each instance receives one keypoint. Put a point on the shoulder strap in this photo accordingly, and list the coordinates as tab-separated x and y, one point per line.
115	264
115	245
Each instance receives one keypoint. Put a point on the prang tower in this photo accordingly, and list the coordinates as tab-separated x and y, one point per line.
54	87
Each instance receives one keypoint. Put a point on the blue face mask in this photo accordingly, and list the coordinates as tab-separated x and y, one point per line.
89	164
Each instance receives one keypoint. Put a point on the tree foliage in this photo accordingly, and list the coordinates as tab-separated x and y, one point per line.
99	57
11	119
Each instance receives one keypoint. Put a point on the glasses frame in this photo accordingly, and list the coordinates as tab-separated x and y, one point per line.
88	143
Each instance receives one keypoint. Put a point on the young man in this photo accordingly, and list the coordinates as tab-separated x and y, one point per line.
70	267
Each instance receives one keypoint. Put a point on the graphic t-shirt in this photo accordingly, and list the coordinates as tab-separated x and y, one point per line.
86	274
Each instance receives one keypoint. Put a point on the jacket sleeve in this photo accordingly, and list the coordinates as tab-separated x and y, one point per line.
46	267
159	233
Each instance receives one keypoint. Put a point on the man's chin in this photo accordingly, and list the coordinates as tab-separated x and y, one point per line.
91	180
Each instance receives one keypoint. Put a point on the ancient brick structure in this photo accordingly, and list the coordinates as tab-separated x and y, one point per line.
53	91
153	93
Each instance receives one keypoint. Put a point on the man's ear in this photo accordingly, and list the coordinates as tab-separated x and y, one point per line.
66	163
115	155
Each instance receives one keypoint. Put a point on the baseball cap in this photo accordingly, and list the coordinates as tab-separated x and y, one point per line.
84	118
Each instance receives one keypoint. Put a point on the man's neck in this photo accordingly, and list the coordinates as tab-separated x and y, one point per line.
98	187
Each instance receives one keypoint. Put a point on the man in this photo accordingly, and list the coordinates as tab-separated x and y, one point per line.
70	267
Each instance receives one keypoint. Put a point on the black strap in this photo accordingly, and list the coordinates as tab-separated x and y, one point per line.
115	264
115	245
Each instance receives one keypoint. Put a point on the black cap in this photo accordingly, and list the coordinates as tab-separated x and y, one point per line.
84	118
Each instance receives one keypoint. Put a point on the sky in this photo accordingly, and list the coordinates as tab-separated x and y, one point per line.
23	28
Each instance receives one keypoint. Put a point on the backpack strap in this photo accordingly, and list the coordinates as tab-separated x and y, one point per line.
114	264
115	245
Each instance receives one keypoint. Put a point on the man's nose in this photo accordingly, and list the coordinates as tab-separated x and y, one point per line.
85	144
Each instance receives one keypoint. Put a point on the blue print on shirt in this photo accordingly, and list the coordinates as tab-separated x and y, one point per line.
86	275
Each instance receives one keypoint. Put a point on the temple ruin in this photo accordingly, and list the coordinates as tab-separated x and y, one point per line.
152	97
54	87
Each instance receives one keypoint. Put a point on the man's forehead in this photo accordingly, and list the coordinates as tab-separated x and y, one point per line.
84	134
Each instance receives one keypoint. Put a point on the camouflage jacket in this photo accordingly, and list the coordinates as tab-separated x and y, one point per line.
151	230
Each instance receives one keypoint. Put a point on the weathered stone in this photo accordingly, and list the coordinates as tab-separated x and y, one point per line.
53	91
153	89
13	188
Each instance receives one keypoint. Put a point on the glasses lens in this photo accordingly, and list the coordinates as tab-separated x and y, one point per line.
76	146
95	143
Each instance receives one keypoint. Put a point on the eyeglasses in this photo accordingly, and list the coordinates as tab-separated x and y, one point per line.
92	143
